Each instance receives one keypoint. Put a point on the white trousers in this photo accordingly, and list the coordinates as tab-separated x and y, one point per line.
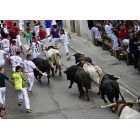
35	55
21	26
115	40
48	30
97	33
55	41
44	41
30	80
66	46
126	41
2	62
7	51
36	28
2	95
18	40
22	93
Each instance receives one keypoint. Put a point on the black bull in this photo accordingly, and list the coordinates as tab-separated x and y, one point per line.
110	88
78	75
44	66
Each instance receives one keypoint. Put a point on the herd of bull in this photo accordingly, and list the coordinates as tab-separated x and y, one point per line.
83	73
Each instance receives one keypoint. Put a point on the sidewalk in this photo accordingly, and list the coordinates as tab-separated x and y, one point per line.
108	63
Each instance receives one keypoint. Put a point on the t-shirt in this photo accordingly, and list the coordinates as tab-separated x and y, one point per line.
108	29
28	66
5	43
55	33
13	34
2	54
123	34
18	78
13	49
2	79
64	38
16	29
28	35
36	47
9	23
42	34
47	23
15	61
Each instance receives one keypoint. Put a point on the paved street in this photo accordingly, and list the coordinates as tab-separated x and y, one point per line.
56	101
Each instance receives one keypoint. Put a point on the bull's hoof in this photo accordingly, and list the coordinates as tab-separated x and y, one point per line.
113	110
88	99
98	93
53	75
70	87
79	96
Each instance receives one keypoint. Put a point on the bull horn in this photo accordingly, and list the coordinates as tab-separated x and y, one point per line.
78	63
118	77
72	54
57	47
110	105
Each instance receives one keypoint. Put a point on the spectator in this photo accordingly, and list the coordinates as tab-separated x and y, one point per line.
59	24
133	48
109	31
19	81
123	35
2	111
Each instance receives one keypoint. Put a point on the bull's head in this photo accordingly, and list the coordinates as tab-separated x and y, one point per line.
111	77
119	105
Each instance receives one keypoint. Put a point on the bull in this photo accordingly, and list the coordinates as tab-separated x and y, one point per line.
110	88
54	59
79	57
124	109
78	75
44	66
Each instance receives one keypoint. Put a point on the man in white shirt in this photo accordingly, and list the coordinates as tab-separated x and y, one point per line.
2	60
28	68
36	47
109	31
13	48
21	25
16	60
6	45
65	40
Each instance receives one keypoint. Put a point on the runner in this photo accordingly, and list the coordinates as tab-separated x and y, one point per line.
13	48
36	28
21	25
2	60
48	27
16	60
5	45
35	47
65	40
19	82
28	68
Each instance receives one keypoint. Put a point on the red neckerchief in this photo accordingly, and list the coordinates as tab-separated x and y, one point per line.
35	41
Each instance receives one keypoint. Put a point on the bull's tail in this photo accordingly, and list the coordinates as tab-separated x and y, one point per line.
121	96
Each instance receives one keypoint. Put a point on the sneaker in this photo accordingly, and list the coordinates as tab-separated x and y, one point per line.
20	102
29	92
68	58
135	71
28	110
